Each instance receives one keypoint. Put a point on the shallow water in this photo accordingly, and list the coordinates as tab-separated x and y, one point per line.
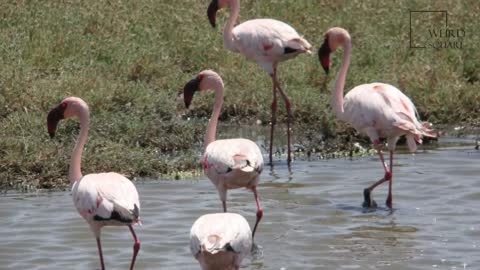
312	218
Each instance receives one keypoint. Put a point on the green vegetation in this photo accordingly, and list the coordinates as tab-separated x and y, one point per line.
129	59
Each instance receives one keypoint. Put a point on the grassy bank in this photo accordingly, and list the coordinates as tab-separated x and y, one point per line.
128	60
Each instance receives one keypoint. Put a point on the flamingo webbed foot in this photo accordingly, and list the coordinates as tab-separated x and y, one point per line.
256	252
368	201
389	202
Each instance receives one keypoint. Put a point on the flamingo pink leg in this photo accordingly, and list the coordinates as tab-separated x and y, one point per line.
224	203
99	245
387	176
390	194
259	211
274	114
136	246
288	106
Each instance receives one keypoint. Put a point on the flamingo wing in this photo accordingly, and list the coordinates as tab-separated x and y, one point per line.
399	102
107	196
388	110
267	41
233	154
405	109
379	103
221	231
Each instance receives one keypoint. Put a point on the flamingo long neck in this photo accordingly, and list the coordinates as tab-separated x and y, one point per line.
337	98
217	107
228	39
75	173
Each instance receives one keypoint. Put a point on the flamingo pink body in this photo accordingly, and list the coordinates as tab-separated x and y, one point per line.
101	199
378	110
220	241
231	163
267	42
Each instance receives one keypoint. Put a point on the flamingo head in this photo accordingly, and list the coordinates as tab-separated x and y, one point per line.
190	88
324	55
54	116
69	107
333	38
205	80
214	6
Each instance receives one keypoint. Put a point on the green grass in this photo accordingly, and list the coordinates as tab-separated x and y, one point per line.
129	59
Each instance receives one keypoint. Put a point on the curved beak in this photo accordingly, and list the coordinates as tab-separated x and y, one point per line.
54	116
212	12
189	89
324	55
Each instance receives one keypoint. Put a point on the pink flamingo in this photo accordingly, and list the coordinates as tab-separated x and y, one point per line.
220	241
101	199
267	42
376	109
232	163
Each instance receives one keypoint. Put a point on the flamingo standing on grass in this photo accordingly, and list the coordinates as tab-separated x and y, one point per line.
103	198
232	163
267	42
220	241
377	109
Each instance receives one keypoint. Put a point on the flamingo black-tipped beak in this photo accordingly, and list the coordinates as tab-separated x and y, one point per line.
189	89
324	55
54	116
212	12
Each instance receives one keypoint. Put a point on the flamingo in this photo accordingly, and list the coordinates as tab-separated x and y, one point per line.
231	163
267	42
103	198
220	241
378	110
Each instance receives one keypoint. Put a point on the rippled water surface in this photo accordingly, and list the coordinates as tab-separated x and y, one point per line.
312	219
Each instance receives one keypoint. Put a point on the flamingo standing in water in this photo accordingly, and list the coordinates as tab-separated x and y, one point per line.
103	198
378	110
267	42
220	241
232	163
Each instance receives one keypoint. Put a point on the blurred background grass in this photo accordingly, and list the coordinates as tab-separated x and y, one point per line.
129	59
